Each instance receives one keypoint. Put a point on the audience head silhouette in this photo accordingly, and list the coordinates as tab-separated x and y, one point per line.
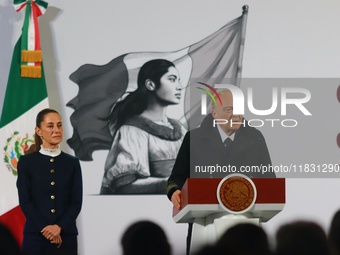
8	244
213	249
245	239
334	234
145	238
301	238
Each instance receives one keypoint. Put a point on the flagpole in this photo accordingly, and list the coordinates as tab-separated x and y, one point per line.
245	9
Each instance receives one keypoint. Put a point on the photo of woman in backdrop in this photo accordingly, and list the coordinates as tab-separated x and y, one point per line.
146	141
50	191
124	110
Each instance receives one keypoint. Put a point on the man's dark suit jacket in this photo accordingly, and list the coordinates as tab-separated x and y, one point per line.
203	147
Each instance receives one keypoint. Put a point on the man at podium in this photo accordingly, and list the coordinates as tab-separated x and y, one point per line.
223	144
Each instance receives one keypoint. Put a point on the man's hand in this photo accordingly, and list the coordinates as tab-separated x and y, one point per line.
176	199
51	231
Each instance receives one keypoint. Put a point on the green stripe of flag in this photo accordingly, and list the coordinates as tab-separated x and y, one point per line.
24	36
42	3
18	1
21	93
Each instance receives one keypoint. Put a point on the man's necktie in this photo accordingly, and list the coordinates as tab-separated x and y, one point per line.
227	142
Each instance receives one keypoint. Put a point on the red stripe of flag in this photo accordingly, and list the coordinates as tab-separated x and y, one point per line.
14	220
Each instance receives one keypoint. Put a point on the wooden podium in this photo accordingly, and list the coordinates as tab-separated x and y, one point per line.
200	205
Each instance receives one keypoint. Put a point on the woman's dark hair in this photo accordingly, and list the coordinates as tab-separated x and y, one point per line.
40	118
136	102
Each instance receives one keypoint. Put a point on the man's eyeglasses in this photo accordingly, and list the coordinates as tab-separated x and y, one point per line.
228	109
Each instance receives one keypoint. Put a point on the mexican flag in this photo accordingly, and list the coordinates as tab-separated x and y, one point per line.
215	59
26	95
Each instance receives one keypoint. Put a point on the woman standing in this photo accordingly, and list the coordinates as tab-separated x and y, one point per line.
50	191
145	140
